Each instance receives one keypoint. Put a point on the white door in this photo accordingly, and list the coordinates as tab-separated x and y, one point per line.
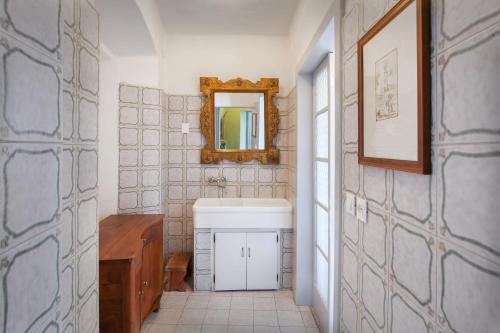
262	260
230	261
321	180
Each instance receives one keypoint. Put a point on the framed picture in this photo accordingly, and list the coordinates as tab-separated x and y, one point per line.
394	105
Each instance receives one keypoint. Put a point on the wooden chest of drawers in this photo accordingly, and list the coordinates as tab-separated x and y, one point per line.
130	271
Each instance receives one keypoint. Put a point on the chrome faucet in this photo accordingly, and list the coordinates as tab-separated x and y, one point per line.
220	181
221	184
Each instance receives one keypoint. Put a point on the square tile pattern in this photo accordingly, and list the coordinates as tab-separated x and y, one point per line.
160	168
428	260
225	312
48	156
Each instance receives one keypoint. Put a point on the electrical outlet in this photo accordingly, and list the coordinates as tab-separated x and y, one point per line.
362	210
350	203
185	128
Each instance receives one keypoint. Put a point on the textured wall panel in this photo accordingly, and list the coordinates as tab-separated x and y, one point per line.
475	64
375	183
404	318
470	216
39	26
39	170
351	172
413	197
32	93
375	238
412	263
459	19
460	271
23	310
350	269
349	312
374	295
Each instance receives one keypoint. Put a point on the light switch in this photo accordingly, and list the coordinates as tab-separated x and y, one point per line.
185	128
362	210
350	203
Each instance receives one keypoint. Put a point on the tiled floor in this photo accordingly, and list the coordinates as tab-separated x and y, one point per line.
230	312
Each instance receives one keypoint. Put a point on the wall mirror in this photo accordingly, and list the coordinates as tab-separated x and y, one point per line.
239	120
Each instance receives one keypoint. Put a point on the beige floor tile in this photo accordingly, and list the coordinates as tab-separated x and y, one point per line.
165	316
214	329
259	294
290	318
157	328
174	302
240	329
219	302
242	303
197	301
266	329
192	317
292	329
240	317
308	319
188	329
266	318
286	304
216	317
264	303
283	293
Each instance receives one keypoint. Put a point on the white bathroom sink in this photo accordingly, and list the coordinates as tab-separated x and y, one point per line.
242	213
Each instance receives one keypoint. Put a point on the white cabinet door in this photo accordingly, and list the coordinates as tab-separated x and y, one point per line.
262	260
230	261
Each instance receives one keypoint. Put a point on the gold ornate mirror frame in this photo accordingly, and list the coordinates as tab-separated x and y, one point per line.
270	87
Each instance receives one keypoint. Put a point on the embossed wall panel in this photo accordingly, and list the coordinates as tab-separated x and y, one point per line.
374	295
372	11
351	172
39	257
31	178
51	169
350	268
350	124
461	271
470	216
413	197
375	238
31	94
409	245
459	19
375	183
40	26
349	312
473	63
457	203
404	318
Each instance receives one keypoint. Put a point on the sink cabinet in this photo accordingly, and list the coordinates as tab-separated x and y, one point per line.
246	260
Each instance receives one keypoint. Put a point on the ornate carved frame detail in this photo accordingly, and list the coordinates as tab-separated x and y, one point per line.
270	88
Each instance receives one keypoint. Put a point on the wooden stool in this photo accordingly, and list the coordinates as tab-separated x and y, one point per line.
176	271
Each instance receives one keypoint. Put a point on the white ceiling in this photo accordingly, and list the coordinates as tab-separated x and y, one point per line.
123	29
238	17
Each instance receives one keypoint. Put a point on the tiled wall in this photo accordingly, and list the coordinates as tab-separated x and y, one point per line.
429	258
48	138
186	178
140	150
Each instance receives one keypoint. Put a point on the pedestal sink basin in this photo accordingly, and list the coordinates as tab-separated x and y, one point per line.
242	213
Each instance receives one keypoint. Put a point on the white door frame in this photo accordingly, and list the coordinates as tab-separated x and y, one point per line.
304	207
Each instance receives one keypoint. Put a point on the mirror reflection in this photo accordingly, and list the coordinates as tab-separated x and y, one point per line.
239	120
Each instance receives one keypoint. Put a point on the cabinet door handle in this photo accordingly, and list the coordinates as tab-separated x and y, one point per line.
249	254
243	252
